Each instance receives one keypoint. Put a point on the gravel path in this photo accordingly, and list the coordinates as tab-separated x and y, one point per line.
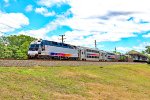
31	63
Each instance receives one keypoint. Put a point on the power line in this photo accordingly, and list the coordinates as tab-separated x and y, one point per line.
1	32
15	27
4	33
7	25
23	27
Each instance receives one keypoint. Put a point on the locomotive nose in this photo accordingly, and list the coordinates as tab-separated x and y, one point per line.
32	53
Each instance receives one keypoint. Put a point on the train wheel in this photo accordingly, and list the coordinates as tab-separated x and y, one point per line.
60	58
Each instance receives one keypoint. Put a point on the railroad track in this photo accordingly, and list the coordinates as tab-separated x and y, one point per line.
39	62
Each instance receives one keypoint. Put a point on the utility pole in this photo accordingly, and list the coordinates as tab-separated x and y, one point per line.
95	44
115	50
62	38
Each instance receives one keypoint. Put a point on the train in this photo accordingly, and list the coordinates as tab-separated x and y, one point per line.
44	49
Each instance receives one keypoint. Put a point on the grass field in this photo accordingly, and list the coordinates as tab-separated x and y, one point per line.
120	82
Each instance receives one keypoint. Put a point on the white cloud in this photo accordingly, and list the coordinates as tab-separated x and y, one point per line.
123	49
42	32
89	8
11	21
29	8
92	29
140	47
106	20
90	12
6	1
88	15
44	11
87	39
50	3
147	35
101	20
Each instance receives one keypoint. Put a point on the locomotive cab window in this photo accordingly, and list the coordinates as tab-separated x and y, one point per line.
42	46
54	44
65	46
60	44
34	47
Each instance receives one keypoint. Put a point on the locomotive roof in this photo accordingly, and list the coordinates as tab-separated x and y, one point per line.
81	47
39	41
88	48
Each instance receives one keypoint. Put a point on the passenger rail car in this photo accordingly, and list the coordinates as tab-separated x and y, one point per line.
111	57
88	54
103	55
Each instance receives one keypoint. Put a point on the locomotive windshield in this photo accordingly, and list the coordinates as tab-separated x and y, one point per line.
34	47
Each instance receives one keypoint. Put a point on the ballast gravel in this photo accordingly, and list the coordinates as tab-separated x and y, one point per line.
32	63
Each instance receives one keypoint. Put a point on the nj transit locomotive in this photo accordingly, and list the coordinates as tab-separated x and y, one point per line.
55	50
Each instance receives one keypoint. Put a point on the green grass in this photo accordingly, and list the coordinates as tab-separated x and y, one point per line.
83	82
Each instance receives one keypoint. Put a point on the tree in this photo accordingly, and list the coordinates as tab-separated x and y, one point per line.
148	53
147	49
143	52
15	46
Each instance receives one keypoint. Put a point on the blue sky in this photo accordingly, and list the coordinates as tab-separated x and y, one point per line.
122	24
